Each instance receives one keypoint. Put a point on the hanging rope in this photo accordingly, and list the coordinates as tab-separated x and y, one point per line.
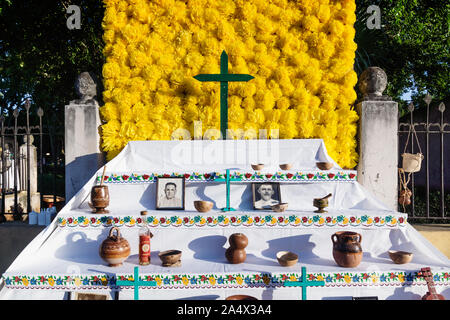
404	191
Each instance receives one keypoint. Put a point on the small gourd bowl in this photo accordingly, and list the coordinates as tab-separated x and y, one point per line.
287	258
170	256
400	257
286	166
280	207
203	206
258	166
324	165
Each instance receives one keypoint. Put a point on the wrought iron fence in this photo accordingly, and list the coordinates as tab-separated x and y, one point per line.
22	166
430	198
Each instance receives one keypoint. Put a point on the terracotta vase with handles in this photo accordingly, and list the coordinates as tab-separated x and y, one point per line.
100	198
347	251
115	249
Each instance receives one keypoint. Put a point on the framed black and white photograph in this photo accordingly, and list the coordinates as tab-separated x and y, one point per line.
265	195
170	194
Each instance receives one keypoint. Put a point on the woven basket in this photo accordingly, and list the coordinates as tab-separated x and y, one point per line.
412	162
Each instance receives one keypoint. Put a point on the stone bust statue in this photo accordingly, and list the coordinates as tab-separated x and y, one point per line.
86	89
372	83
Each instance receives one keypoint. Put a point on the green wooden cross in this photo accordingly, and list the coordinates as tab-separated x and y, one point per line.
136	283
227	180
304	283
224	77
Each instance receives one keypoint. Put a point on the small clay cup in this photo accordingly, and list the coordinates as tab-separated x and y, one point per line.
400	257
287	258
258	166
324	165
286	166
169	257
100	198
203	206
280	207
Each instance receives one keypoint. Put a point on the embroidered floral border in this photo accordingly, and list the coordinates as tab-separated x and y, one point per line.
264	220
315	176
341	279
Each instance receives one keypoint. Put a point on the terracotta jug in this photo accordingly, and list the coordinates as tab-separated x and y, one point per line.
115	249
236	252
347	251
100	198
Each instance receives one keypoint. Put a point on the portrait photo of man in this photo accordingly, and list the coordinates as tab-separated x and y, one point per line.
170	193
265	195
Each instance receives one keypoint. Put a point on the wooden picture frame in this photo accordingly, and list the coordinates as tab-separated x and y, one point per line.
165	187
261	204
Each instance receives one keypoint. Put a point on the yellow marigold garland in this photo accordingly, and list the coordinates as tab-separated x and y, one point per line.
301	54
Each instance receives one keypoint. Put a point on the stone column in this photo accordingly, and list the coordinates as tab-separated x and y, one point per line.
82	140
377	135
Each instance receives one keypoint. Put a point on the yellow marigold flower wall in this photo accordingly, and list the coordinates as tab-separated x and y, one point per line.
301	54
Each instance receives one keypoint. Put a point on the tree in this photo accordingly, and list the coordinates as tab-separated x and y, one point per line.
40	57
412	46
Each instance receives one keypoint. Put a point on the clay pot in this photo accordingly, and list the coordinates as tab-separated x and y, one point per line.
100	198
347	251
238	241
286	166
258	166
400	257
170	257
287	258
115	249
236	252
324	165
240	297
203	206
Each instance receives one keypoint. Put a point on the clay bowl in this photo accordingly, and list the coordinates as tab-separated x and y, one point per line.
203	206
258	166
400	257
169	257
287	258
324	165
240	297
285	166
280	207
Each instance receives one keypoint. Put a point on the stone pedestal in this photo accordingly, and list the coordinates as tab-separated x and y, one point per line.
82	145
378	149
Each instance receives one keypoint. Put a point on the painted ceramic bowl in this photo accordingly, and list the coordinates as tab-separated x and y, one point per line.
169	257
324	165
280	207
287	258
203	206
400	257
286	166
258	166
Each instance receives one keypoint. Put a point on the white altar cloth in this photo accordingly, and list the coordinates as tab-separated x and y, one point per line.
64	257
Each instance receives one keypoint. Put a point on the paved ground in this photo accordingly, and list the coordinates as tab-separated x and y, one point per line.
14	236
437	234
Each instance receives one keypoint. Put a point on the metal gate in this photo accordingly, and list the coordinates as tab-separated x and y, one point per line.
430	197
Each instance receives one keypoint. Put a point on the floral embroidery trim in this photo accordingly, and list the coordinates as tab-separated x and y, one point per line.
222	220
223	280
300	176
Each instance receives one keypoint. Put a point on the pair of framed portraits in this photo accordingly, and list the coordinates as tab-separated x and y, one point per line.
170	194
